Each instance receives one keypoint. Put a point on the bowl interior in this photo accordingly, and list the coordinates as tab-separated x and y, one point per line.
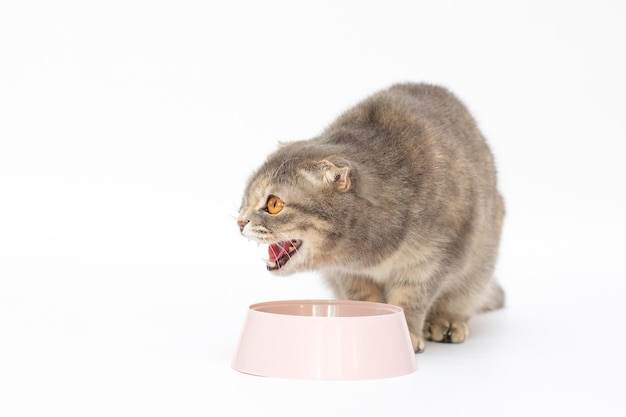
326	308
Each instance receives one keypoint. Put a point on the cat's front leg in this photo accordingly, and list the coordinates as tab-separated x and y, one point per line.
415	318
415	300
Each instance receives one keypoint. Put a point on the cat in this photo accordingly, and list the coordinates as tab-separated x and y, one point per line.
395	202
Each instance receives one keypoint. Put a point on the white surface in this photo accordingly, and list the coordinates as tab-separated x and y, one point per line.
127	130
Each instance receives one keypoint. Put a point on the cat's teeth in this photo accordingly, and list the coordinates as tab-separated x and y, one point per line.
271	264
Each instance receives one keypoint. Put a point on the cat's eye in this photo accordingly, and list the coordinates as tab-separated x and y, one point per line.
274	205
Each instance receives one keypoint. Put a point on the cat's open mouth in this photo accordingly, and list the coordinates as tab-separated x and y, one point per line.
281	252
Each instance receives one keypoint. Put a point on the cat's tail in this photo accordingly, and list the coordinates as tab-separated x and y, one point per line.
494	297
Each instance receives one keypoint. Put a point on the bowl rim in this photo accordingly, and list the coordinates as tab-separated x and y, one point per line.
379	309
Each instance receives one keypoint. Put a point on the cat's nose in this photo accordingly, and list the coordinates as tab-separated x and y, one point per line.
242	224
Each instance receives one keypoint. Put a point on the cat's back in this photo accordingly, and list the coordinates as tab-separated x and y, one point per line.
426	100
414	112
420	125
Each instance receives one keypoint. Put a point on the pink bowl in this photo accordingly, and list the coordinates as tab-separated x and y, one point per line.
325	340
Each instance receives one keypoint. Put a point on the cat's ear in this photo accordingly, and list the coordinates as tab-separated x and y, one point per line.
337	176
331	174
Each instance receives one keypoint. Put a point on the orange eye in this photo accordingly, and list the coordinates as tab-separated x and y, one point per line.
274	205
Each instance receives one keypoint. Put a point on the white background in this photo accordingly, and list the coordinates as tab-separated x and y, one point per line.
128	129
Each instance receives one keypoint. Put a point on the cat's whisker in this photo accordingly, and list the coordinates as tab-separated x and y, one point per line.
273	251
283	237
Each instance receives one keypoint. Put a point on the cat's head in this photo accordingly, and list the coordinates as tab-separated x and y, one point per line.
298	203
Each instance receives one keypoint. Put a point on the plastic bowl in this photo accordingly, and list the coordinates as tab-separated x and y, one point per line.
325	340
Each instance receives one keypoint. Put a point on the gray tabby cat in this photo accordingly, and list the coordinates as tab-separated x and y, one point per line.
395	202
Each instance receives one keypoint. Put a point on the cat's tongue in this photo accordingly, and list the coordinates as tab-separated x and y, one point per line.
277	250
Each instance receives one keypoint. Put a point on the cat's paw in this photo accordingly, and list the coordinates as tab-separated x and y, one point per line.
446	331
418	343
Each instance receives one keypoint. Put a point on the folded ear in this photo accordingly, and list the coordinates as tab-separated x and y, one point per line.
327	173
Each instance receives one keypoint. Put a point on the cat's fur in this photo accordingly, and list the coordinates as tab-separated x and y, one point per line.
395	202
